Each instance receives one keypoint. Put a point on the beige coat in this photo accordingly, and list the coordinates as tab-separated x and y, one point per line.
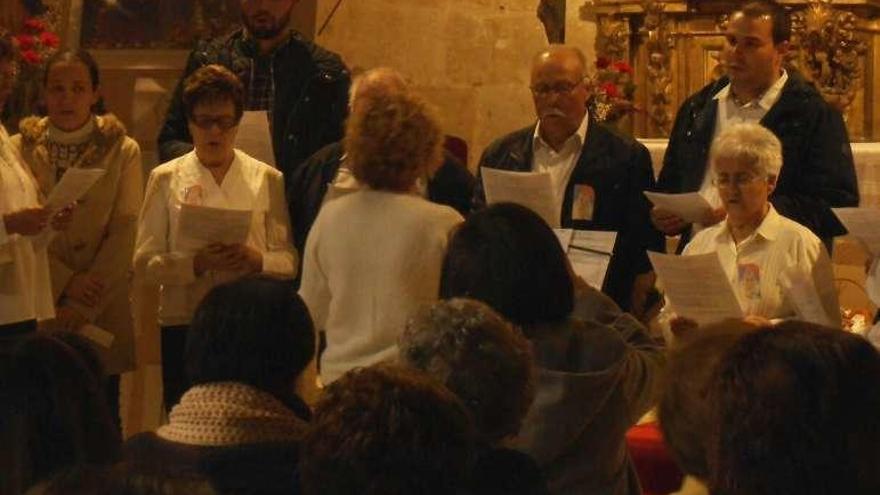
100	239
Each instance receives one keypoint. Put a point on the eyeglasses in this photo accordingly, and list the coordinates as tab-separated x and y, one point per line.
737	180
560	88
206	122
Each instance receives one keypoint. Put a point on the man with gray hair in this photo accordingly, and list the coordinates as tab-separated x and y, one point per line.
451	185
598	175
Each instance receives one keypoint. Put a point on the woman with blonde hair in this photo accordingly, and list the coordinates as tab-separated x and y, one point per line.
373	256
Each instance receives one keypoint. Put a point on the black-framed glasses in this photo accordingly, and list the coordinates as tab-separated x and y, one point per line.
736	180
206	122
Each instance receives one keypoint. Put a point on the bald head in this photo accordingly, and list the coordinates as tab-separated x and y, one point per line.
567	55
379	81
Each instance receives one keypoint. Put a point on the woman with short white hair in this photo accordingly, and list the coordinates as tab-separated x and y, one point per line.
760	250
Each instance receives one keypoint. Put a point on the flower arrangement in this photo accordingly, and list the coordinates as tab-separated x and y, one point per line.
613	89
36	43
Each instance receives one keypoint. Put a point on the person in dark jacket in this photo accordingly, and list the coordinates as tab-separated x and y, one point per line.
598	175
817	170
451	185
240	425
303	87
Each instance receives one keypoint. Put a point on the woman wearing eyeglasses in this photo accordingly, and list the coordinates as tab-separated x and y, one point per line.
761	251
215	175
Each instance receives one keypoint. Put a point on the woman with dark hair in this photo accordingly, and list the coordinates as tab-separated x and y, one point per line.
373	256
241	422
89	265
214	175
597	367
795	411
25	285
387	430
53	414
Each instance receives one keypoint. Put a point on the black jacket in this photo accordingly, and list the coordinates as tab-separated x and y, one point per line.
451	185
311	96
817	163
618	168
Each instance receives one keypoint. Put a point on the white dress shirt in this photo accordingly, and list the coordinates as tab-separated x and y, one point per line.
757	266
25	286
730	113
559	164
248	185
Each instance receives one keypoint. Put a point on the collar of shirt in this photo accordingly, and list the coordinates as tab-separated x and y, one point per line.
579	137
768	230
767	100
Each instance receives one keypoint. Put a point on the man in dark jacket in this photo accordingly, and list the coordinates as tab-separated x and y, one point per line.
303	87
598	175
817	171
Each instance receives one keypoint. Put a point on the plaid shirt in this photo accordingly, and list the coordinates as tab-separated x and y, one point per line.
261	90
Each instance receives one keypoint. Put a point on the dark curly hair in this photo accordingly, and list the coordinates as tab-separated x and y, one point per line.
212	83
480	357
796	410
386	430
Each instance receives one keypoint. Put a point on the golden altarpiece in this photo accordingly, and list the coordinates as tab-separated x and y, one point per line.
674	47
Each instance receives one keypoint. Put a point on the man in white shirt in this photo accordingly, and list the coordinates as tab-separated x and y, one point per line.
817	172
598	176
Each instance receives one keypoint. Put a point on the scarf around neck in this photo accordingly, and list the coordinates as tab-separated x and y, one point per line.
230	413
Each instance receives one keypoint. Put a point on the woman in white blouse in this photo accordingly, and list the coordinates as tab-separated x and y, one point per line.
214	175
25	287
762	252
374	255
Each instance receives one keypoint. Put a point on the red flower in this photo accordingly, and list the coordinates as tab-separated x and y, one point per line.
602	62
610	89
25	41
31	57
35	24
50	39
623	67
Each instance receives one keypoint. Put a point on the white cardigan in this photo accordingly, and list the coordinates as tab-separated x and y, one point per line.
371	258
248	185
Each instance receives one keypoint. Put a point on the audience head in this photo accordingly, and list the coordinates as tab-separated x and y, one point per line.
757	36
8	65
255	330
124	479
684	408
377	82
559	90
213	100
53	412
71	84
796	407
386	430
481	358
746	159
392	137
266	20
507	257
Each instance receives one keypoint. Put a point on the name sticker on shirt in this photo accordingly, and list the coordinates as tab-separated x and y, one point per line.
749	275
193	195
584	200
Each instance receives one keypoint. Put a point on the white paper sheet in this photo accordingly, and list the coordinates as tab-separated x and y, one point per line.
696	287
691	207
202	225
255	136
863	224
97	335
74	184
802	295
532	190
589	252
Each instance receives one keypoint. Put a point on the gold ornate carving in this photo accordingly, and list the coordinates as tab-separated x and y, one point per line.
659	45
612	32
829	51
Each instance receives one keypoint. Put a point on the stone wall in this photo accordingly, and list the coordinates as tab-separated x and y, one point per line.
469	57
